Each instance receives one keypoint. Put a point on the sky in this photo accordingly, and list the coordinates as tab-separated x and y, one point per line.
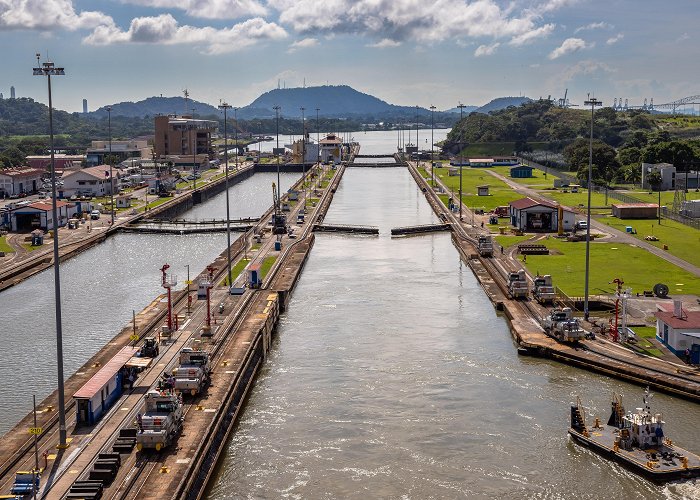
406	52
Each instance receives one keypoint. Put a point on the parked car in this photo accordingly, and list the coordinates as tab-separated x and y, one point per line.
95	214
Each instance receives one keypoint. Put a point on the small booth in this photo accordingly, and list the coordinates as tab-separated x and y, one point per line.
37	238
123	201
483	190
254	276
104	388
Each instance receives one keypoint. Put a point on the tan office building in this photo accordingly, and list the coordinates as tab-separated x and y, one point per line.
183	136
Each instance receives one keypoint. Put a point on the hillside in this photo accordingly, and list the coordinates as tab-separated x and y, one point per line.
332	101
157	106
502	103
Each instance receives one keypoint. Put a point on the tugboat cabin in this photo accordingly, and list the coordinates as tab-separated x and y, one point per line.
103	389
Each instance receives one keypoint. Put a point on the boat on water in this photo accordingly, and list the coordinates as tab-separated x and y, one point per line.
636	440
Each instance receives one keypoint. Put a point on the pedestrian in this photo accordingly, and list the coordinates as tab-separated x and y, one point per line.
687	356
524	257
501	249
482	224
139	422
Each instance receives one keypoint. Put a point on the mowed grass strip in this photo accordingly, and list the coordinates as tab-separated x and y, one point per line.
639	269
537	181
4	246
499	192
682	241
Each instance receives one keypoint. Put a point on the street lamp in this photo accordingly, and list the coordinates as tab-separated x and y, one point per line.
194	155
432	143
592	102
461	160
277	149
225	106
48	69
235	129
111	182
318	141
303	152
417	148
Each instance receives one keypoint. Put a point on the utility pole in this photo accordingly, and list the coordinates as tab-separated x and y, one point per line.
592	102
303	152
194	154
432	143
47	69
225	106
461	161
277	117
111	181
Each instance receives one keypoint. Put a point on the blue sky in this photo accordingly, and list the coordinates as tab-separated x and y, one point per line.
408	52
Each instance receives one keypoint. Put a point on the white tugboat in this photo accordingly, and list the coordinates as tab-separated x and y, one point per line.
636	440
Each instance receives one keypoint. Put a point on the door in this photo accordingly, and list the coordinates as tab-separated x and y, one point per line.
695	354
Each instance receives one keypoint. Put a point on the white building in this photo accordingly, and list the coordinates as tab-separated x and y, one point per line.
667	171
331	148
39	215
308	148
121	150
90	181
19	180
679	330
531	215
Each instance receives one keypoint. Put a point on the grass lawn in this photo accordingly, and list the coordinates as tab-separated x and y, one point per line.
666	196
235	271
267	265
537	181
500	192
639	269
577	200
4	247
645	332
424	173
683	241
155	203
506	240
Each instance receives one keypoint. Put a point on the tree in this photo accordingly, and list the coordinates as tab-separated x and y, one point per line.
654	179
605	164
630	173
629	155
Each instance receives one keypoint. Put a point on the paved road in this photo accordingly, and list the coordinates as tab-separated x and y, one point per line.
614	233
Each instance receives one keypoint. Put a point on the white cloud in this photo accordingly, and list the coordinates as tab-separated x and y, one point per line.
594	26
569	46
587	67
416	20
302	44
530	36
551	5
209	9
486	50
48	15
385	43
615	39
165	30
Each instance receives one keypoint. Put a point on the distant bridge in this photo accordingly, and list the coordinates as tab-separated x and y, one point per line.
649	105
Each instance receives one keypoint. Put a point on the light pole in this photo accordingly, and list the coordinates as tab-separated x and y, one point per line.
592	102
318	141
235	129
417	147
47	69
432	143
303	152
461	160
277	149
225	106
194	154
111	182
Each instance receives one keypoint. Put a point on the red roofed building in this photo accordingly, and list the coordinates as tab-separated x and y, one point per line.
19	180
635	210
90	181
39	215
531	215
679	330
